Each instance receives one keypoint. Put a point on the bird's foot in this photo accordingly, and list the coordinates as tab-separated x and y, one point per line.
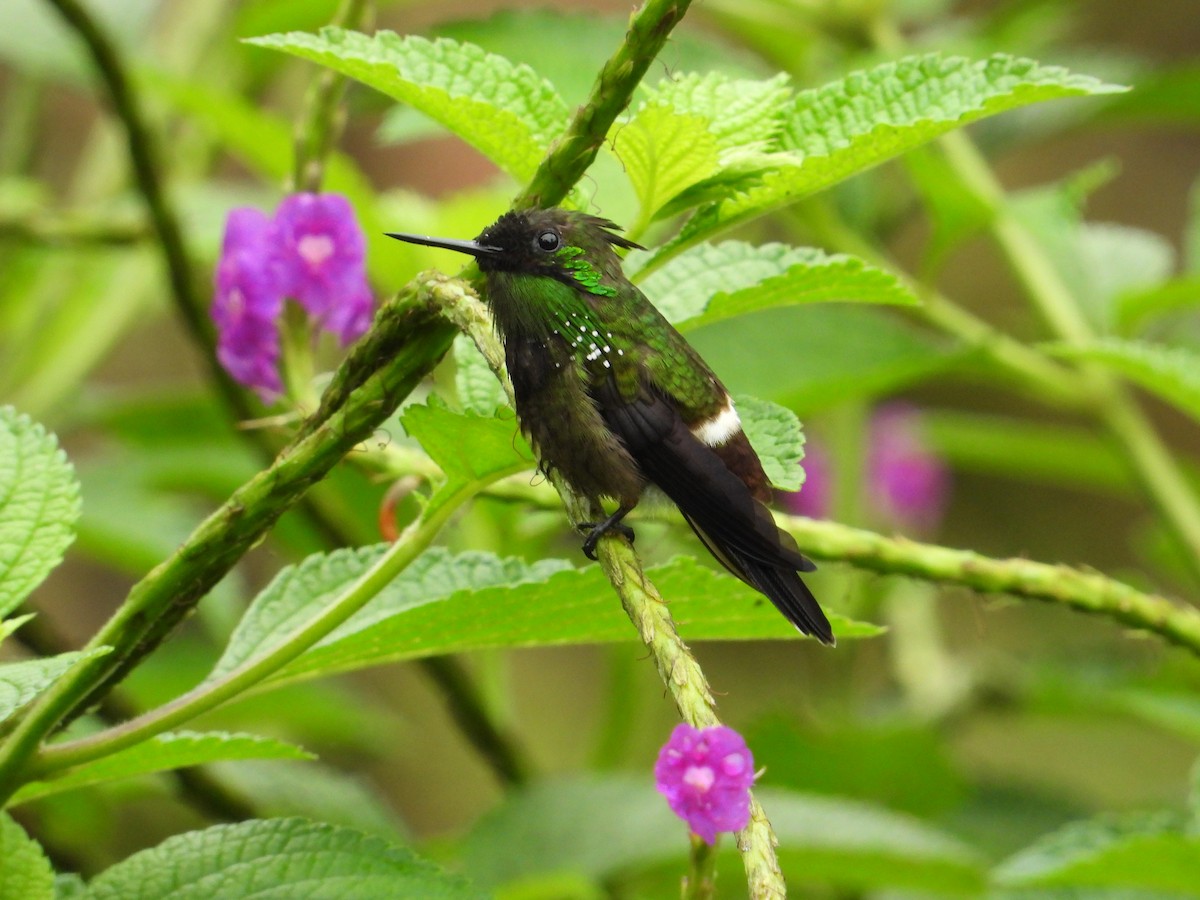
597	530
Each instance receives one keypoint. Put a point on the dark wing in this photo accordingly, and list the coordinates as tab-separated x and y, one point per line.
736	528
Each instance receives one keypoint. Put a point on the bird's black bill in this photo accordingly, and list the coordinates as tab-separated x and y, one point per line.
473	248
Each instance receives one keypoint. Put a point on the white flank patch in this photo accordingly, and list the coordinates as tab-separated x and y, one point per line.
720	428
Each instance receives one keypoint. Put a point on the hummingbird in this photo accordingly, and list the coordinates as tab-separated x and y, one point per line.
616	401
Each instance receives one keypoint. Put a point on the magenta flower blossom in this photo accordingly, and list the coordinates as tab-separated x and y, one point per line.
706	774
909	483
321	251
312	251
247	303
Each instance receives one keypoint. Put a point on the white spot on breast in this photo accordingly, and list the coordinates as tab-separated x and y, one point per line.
720	428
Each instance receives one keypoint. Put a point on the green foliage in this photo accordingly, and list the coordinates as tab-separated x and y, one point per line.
507	112
20	682
39	504
776	435
849	125
26	872
1156	853
810	310
450	603
601	827
276	858
1173	373
712	282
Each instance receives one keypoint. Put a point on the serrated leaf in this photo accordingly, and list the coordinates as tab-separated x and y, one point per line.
39	505
162	753
21	681
775	434
712	282
1173	373
600	827
741	112
479	391
436	612
276	859
870	116
26	872
468	447
1152	852
664	153
298	593
506	111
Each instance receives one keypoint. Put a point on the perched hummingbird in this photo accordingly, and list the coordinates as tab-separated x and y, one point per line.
616	400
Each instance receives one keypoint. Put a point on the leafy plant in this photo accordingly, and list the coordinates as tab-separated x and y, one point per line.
812	148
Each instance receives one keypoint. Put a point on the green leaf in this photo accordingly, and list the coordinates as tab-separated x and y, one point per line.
448	603
1149	852
21	681
775	434
1173	373
712	282
39	505
740	112
276	859
1134	307
664	153
468	447
26	873
870	116
813	357
162	753
506	111
8	626
600	827
298	593
479	391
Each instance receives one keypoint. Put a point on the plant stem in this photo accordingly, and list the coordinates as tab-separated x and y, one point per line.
644	605
1048	381
1085	591
699	883
572	153
1150	461
323	117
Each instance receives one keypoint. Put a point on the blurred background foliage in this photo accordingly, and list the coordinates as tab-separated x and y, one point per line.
995	720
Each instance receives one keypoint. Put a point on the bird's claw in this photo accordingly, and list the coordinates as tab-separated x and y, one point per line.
597	530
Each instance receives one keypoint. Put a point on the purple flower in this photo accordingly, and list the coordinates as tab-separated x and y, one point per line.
320	250
909	484
248	302
706	775
312	251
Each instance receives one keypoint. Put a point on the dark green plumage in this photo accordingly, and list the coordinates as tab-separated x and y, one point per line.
615	399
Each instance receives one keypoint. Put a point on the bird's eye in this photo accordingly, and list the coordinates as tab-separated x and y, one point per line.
547	241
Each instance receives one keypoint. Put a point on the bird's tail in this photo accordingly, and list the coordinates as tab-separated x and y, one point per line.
776	578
